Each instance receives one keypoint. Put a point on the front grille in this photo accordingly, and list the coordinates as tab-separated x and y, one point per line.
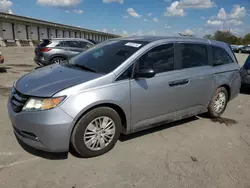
18	100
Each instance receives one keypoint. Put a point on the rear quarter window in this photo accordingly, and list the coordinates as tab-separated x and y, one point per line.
220	56
193	55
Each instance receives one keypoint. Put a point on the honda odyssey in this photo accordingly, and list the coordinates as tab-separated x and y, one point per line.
122	85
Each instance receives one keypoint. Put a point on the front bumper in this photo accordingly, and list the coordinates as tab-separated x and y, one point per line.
45	130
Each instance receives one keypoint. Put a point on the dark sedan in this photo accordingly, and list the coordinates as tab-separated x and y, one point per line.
245	49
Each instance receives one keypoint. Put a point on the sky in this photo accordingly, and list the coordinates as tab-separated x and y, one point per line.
140	17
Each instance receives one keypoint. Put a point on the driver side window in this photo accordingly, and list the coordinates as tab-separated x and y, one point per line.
160	58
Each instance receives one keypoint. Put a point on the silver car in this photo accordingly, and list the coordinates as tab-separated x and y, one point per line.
50	51
122	85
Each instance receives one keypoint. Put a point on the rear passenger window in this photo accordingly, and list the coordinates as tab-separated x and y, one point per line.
74	44
84	44
63	44
193	55
220	56
160	58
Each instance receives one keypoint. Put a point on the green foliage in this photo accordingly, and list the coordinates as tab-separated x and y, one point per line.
228	37
209	36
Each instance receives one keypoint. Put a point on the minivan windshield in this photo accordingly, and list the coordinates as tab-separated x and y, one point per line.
107	56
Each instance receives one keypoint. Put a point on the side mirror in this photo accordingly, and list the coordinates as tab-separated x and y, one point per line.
145	73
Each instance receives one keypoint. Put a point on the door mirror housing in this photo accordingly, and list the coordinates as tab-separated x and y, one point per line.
145	73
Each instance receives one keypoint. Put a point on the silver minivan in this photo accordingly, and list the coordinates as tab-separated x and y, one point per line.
122	85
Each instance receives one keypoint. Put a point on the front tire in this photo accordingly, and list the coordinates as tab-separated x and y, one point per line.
96	132
218	103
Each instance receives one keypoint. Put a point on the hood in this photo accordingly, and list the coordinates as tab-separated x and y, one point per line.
46	81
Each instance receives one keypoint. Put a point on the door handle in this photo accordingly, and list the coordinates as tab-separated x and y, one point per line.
178	83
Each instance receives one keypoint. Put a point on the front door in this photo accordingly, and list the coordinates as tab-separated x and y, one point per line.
172	93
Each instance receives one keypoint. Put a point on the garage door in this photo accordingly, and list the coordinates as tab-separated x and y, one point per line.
77	35
72	34
43	33
33	33
52	33
7	31
59	33
20	32
66	34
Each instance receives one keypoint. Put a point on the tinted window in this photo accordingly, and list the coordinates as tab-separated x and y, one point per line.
193	55
44	43
74	44
108	55
64	44
220	56
160	58
84	44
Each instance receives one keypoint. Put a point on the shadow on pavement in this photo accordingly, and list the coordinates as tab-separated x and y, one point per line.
124	138
4	69
43	154
245	90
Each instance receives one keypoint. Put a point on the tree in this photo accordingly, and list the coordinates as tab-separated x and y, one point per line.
247	39
230	38
209	36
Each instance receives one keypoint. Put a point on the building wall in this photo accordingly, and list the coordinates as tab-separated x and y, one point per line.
22	28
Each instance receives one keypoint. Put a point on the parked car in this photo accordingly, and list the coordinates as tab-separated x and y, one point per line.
245	73
237	49
234	47
1	58
245	49
92	41
56	50
122	85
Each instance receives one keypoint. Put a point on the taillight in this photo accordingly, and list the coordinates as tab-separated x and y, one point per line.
44	49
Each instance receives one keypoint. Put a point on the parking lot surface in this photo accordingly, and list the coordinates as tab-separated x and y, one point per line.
196	152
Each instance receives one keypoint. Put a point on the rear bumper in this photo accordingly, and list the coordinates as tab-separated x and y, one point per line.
41	62
44	130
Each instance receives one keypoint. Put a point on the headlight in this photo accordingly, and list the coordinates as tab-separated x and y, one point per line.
35	104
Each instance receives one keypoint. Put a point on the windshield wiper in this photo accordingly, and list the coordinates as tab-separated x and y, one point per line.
82	67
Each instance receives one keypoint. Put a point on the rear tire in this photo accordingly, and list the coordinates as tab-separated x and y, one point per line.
218	103
57	60
90	138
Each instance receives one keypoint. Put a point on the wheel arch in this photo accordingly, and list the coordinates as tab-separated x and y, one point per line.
227	87
113	106
57	55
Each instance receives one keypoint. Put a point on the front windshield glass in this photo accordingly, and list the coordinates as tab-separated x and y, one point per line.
106	56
